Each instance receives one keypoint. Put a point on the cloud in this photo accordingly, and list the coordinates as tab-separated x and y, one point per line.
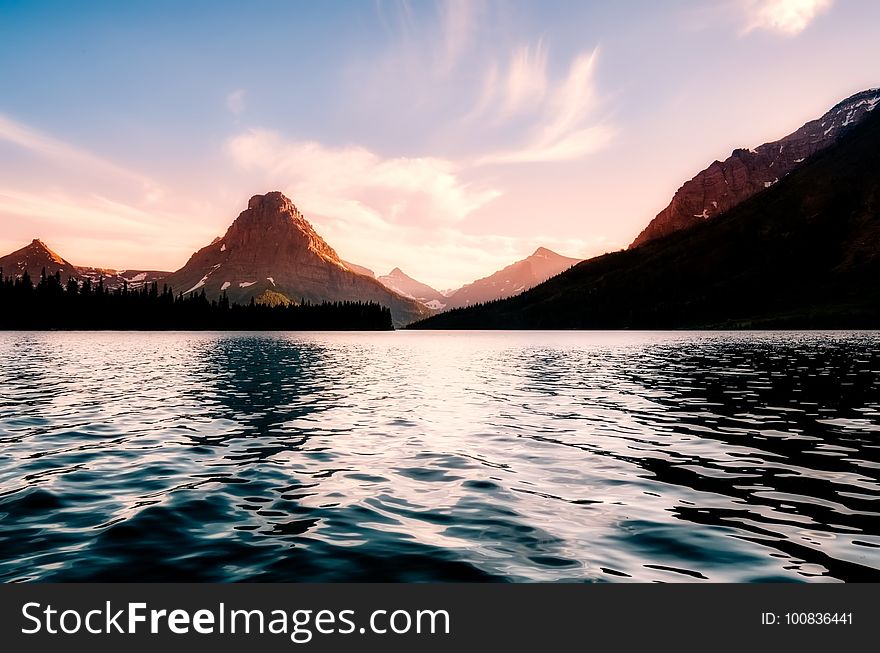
526	81
80	159
110	214
438	44
90	211
235	101
92	229
389	212
459	20
353	181
563	129
788	17
460	70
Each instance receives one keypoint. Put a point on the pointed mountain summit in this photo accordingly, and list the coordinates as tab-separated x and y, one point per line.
513	279
272	254
398	281
726	184
34	258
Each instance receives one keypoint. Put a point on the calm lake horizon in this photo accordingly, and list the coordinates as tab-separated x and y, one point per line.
513	456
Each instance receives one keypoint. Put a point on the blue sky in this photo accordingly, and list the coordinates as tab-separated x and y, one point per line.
445	138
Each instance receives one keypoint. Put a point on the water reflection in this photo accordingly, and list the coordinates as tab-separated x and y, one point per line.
440	456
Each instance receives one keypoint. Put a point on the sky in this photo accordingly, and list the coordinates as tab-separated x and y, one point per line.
448	139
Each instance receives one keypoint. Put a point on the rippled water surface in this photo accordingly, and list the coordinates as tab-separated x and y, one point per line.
440	456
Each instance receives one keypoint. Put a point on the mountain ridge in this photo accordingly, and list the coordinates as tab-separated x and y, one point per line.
722	185
804	253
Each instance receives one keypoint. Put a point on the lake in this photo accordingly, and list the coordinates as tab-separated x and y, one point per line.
440	456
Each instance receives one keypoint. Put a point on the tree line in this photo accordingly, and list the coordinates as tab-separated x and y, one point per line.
51	304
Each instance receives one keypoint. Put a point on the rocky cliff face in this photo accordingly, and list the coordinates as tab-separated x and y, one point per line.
34	258
513	279
272	253
725	184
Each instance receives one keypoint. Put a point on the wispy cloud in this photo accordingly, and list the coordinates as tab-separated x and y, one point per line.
88	211
460	22
439	45
235	101
564	127
47	146
458	72
526	82
788	17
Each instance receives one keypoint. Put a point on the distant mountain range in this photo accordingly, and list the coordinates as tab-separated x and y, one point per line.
802	252
512	280
113	279
400	282
273	255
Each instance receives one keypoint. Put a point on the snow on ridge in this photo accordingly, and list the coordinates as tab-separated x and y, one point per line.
225	285
271	279
198	285
246	284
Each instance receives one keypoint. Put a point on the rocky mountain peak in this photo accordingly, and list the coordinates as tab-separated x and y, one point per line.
272	202
543	252
270	222
37	246
33	259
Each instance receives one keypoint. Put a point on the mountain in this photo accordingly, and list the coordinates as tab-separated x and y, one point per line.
804	253
34	258
272	254
724	185
512	280
402	283
37	256
114	279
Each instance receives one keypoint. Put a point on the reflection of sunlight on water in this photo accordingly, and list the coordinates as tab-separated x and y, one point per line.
440	456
